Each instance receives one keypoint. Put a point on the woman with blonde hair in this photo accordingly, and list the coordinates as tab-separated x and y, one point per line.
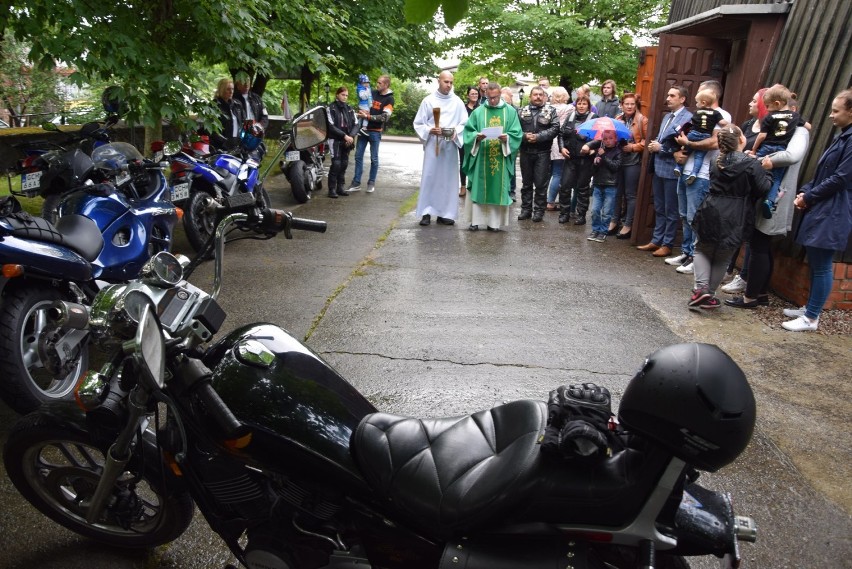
230	114
559	99
726	216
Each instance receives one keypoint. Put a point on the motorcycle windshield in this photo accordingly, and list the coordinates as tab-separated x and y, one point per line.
115	156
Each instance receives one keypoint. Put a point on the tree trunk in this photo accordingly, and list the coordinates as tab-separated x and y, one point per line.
307	78
259	84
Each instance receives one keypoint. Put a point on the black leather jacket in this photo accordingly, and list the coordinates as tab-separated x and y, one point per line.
341	121
257	107
569	137
606	170
543	122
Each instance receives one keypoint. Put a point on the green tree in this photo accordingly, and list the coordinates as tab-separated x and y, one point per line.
570	41
23	88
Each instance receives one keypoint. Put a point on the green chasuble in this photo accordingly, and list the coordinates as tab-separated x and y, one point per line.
489	172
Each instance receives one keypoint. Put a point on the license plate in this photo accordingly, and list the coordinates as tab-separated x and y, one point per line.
31	181
180	191
292	156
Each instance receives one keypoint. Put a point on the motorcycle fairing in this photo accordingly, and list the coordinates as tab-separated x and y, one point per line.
45	259
301	412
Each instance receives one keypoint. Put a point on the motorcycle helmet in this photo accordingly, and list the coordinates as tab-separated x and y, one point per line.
113	102
251	135
694	400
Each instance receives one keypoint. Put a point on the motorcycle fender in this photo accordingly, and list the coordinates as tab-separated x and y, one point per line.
44	260
300	411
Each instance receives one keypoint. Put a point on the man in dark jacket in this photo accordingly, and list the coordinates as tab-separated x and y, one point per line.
251	103
342	128
540	125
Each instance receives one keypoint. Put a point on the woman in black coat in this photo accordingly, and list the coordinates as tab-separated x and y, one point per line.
342	128
726	216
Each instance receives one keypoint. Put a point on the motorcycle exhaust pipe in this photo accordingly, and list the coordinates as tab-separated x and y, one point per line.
69	315
745	529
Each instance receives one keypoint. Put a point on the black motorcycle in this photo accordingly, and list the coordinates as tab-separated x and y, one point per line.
304	168
292	467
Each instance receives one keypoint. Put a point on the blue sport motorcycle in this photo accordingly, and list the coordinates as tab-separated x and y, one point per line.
105	232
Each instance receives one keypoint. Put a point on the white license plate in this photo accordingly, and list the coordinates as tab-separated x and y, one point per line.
180	191
292	156
31	181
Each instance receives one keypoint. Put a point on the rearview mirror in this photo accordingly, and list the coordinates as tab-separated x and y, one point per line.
150	347
310	129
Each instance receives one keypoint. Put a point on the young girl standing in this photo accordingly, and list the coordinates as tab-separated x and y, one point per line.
726	216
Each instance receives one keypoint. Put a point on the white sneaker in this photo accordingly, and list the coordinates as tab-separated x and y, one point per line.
371	188
801	324
736	285
794	312
676	260
685	269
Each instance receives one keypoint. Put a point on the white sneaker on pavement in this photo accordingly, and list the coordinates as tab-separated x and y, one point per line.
685	269
674	261
801	324
736	285
794	312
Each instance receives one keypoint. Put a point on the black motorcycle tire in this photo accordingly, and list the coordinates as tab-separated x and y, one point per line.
25	384
298	181
198	224
263	196
50	208
56	469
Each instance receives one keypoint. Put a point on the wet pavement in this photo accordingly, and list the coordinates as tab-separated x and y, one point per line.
436	320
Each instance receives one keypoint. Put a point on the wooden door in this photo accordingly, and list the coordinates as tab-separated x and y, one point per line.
680	60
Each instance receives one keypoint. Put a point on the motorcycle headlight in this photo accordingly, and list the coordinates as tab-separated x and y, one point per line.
115	314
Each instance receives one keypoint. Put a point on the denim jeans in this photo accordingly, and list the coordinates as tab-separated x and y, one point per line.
777	173
555	179
689	197
374	139
697	155
603	202
821	262
665	211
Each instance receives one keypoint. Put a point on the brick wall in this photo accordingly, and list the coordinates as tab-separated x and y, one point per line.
791	280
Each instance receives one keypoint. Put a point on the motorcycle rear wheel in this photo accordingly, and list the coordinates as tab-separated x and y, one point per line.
57	469
198	223
26	383
299	181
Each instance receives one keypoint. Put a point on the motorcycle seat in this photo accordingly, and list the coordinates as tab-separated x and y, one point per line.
453	473
76	232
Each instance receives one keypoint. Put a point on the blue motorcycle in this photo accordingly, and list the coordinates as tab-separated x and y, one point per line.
207	185
105	233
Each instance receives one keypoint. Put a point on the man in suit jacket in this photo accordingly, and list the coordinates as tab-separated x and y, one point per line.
664	181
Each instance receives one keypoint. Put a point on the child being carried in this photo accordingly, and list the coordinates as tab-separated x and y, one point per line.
704	121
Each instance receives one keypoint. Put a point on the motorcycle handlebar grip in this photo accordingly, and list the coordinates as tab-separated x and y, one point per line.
219	410
309	225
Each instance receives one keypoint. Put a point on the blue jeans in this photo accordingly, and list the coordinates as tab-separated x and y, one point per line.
689	197
603	202
821	264
555	179
665	210
777	173
374	139
697	155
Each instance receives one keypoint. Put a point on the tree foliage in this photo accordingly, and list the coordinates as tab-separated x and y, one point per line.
23	88
571	41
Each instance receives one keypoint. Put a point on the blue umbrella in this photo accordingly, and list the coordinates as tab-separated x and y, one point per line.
593	128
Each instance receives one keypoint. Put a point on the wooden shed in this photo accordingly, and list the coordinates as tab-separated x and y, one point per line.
748	44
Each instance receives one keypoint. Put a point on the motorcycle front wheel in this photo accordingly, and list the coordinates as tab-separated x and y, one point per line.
199	223
57	470
299	181
26	382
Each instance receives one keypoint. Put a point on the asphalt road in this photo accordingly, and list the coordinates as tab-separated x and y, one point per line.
439	321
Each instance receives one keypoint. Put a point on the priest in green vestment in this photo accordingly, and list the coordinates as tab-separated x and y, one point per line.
492	137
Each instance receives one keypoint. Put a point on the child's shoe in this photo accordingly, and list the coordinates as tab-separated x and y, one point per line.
677	171
690	180
710	303
766	209
699	295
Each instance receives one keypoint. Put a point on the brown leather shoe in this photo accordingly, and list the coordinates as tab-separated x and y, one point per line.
663	251
648	247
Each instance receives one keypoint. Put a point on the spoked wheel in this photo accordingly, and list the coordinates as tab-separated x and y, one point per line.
37	362
199	221
57	471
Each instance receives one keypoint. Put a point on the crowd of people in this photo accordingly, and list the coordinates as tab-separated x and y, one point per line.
722	186
726	188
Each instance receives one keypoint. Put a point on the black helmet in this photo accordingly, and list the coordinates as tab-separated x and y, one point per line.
694	400
113	101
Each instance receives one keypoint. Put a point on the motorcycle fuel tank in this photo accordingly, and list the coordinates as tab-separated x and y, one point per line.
300	411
